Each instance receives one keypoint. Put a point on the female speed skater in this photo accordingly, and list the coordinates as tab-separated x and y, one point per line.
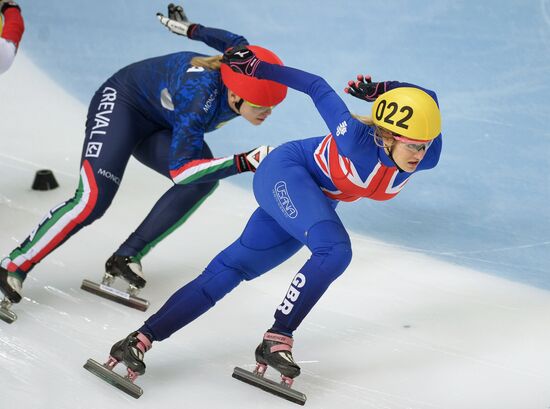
298	187
11	31
158	111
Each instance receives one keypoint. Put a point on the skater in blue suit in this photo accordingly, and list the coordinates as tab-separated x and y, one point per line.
298	187
158	111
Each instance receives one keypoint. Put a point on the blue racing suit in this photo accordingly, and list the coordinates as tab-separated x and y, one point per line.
297	188
158	111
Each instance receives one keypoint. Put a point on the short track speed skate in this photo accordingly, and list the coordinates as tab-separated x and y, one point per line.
6	314
105	372
11	289
130	352
275	351
130	271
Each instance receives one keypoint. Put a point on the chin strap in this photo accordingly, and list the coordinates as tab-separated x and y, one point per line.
238	105
393	160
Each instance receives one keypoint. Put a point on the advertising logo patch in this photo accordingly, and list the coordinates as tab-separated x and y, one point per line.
342	128
280	192
93	149
109	175
293	293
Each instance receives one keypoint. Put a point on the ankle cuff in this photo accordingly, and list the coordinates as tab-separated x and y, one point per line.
143	340
271	336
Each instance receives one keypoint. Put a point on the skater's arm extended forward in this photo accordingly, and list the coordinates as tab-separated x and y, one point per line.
219	39
209	170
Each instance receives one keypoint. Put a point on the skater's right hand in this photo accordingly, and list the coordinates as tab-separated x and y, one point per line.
249	161
365	89
177	21
6	4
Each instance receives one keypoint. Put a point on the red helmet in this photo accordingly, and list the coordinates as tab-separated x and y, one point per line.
259	92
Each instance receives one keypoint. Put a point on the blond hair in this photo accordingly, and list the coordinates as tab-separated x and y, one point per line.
212	63
367	120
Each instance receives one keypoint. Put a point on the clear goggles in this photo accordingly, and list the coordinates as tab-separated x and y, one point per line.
259	107
410	144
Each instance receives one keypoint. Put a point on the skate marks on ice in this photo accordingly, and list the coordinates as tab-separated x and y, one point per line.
258	380
105	290
106	373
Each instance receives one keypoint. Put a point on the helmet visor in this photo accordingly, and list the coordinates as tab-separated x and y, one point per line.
411	144
259	107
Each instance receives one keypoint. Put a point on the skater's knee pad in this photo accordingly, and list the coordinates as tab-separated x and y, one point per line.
330	244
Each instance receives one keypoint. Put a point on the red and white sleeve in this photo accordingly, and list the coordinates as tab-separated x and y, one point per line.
13	25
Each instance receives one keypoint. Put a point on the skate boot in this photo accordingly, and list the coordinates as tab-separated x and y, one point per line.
129	351
126	267
276	351
11	286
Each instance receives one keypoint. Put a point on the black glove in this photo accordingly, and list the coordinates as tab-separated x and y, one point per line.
365	89
176	13
6	4
249	161
242	60
177	21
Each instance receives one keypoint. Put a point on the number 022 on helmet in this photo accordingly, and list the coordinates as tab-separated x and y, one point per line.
409	112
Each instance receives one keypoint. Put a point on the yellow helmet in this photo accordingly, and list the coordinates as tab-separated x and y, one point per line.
409	112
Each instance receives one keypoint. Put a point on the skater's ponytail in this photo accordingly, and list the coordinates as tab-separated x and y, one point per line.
212	63
367	120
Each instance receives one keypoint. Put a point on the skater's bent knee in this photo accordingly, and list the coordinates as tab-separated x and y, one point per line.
328	234
220	283
339	257
329	241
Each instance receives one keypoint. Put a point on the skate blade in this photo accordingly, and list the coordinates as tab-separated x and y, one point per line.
111	377
7	315
115	295
269	386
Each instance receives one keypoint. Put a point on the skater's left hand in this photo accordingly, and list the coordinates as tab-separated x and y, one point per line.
177	21
242	60
365	89
249	161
